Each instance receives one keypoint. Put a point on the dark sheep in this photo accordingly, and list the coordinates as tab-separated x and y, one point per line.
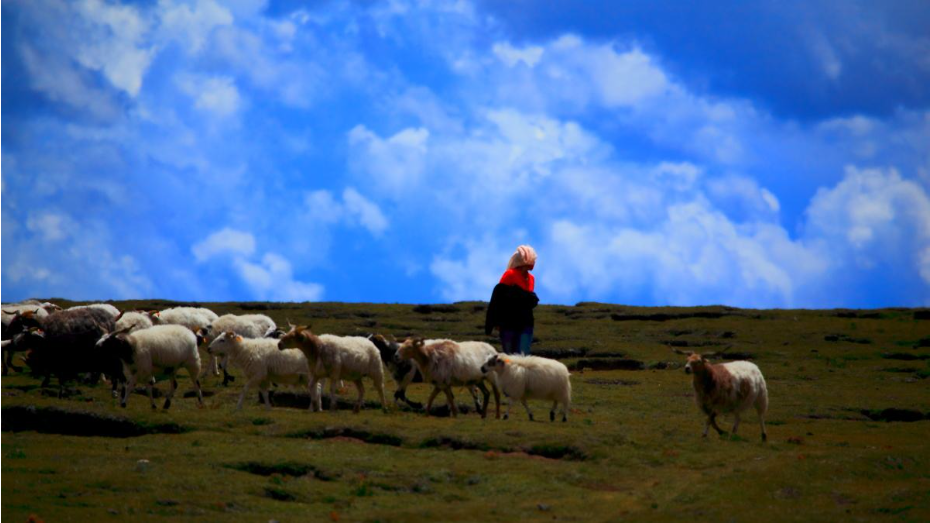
66	348
403	371
19	324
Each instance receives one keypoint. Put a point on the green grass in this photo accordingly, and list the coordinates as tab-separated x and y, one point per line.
631	449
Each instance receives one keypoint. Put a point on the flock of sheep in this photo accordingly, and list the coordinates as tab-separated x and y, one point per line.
138	347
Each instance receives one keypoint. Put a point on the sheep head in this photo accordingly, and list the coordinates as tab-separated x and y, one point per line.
408	349
495	363
222	342
696	363
116	345
299	337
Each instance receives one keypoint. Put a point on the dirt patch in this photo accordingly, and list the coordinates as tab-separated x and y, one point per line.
54	420
845	338
429	309
668	317
905	356
287	468
605	381
301	400
561	354
691	343
548	451
859	315
895	414
608	364
375	438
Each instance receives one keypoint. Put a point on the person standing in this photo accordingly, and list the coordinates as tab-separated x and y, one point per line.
512	303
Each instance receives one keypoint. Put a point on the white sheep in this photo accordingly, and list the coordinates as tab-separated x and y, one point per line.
195	319
532	377
727	388
133	321
106	307
247	325
263	363
446	363
337	357
157	351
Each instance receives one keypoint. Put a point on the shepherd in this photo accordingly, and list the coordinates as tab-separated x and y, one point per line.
512	303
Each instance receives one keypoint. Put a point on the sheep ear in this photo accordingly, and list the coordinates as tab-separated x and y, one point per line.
238	338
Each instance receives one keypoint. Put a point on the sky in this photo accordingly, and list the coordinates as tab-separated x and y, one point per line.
751	154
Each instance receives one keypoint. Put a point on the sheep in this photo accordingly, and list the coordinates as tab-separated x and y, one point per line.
446	363
403	371
66	346
263	363
19	343
105	307
134	320
726	388
37	311
246	325
159	350
532	377
337	357
195	319
18	323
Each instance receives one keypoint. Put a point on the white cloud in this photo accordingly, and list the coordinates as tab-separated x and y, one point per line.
51	226
113	43
511	56
364	211
192	22
225	241
61	82
876	215
393	164
355	209
215	94
272	279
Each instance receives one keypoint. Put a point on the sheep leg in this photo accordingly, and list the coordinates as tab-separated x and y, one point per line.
432	396
735	423
245	389
333	382
552	410
379	387
265	395
361	394
149	388
174	387
711	421
130	385
487	400
226	377
762	425
401	394
564	411
509	404
311	384
527	407
474	397
451	399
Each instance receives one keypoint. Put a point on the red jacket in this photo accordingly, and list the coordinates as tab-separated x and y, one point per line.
515	277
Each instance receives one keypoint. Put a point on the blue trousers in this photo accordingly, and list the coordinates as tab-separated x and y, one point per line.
517	341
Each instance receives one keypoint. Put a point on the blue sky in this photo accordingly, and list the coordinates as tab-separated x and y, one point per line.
763	155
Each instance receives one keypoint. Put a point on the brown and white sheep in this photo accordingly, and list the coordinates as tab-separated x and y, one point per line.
446	364
348	358
727	388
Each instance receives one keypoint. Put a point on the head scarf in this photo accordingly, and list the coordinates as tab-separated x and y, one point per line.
525	255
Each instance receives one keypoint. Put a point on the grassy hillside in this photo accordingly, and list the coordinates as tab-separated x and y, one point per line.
837	381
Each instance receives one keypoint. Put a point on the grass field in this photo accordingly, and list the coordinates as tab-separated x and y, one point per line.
631	449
